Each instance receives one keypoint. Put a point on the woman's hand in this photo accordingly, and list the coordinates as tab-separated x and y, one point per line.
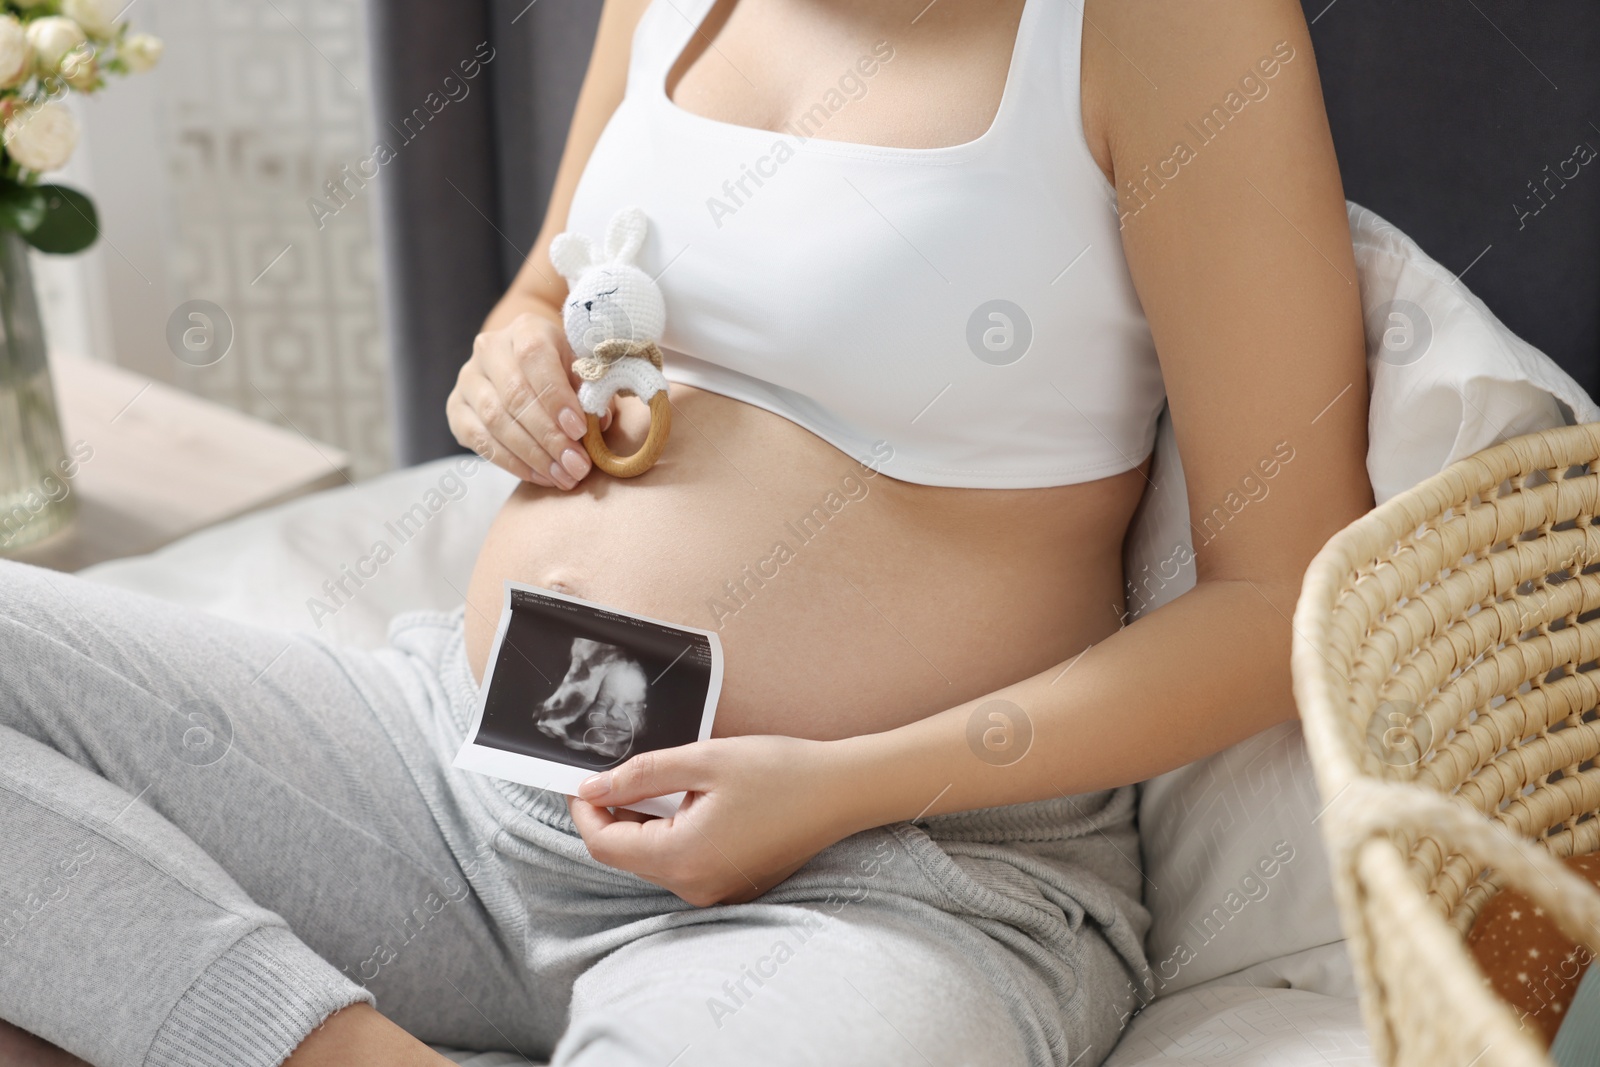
757	809
515	403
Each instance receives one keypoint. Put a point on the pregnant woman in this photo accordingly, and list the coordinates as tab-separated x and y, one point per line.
931	270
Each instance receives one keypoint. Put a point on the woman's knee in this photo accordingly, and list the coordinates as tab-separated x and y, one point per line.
23	588
55	650
38	602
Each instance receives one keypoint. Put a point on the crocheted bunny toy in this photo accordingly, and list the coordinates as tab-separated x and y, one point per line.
614	316
614	311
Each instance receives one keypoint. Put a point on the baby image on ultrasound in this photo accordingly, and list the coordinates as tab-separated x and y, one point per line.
599	706
573	687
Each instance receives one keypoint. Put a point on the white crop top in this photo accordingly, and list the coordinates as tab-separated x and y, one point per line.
965	312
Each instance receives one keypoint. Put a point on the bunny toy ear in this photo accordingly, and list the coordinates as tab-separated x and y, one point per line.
625	235
571	254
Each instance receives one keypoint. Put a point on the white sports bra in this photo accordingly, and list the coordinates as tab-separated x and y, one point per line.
957	316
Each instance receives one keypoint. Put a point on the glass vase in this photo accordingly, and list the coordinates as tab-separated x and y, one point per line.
35	499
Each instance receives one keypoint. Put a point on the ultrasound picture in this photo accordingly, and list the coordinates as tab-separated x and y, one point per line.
589	686
599	706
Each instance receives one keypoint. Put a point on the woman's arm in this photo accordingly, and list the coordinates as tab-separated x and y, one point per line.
1242	259
1243	263
515	401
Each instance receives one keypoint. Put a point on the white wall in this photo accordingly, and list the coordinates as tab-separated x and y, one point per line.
202	171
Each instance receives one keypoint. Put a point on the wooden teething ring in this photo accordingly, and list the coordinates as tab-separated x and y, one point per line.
642	460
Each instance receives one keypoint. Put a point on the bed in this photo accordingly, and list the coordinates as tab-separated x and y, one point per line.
1246	970
1445	114
1299	1010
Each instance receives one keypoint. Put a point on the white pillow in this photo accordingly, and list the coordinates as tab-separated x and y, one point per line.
1236	872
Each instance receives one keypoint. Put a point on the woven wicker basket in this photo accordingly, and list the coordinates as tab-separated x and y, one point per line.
1445	668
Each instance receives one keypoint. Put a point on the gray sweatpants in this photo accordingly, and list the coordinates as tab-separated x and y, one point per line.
213	836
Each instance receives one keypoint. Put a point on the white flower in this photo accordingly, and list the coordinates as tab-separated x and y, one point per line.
141	51
79	68
16	55
41	138
97	17
52	38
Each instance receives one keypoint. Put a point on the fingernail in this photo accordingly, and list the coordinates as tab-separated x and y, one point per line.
595	786
561	477
576	462
572	423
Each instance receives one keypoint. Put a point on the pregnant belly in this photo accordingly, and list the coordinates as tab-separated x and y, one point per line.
847	602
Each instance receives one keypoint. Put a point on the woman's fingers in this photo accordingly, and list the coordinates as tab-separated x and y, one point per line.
525	370
515	403
514	394
616	839
672	853
527	365
471	432
488	404
649	774
507	403
465	412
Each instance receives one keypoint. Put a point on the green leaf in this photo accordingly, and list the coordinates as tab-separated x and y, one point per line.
22	207
70	223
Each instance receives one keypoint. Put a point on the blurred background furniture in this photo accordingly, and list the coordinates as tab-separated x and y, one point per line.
1444	665
163	463
1454	120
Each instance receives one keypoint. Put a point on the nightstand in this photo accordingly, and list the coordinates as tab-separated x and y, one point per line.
166	463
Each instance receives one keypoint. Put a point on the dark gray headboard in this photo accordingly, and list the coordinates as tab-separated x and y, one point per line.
1443	112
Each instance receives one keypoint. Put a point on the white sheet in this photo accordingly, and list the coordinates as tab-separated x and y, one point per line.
270	568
